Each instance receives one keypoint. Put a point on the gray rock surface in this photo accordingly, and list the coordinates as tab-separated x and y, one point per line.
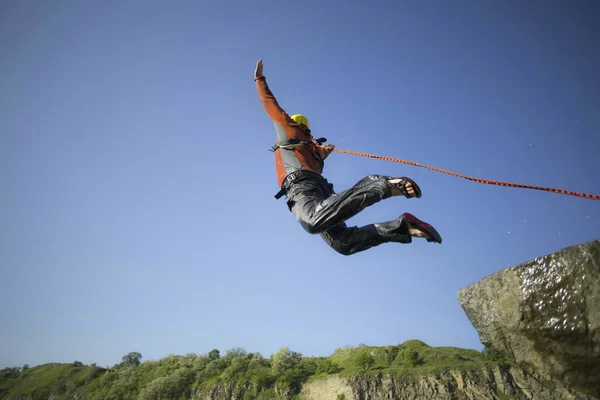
545	312
483	384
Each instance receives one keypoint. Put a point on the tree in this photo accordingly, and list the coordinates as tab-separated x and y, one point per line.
9	373
131	359
411	357
325	365
391	354
364	359
257	361
215	367
285	359
201	362
214	354
174	386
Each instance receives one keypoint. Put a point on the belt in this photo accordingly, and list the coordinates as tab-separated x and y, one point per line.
291	178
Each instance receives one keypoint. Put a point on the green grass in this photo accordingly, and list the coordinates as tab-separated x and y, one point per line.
49	379
430	359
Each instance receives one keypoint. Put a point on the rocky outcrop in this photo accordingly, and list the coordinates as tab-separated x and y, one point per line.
484	384
221	391
545	312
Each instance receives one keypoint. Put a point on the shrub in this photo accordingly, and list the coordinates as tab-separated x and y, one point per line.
411	357
285	359
364	359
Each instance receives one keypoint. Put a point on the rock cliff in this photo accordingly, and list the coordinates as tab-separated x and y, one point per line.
546	313
485	384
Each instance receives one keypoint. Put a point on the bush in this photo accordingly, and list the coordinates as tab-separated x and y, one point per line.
493	354
364	359
200	363
214	354
327	366
267	395
287	384
285	359
173	387
237	367
215	367
307	366
132	359
261	377
411	357
257	360
9	373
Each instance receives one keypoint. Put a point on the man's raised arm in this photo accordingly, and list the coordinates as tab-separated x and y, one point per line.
274	110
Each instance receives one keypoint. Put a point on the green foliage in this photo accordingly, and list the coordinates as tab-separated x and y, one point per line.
364	359
285	359
307	366
249	375
288	383
257	361
132	359
174	386
411	357
46	381
9	373
326	366
215	368
214	354
267	395
391	352
236	352
415	344
493	354
261	377
496	356
200	363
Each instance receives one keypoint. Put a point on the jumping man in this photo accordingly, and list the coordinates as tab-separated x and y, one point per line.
299	162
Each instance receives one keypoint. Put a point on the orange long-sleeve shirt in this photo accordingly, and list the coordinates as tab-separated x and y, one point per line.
287	160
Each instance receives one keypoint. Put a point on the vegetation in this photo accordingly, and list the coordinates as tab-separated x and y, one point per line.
247	375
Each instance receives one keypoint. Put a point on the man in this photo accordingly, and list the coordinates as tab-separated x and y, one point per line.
299	162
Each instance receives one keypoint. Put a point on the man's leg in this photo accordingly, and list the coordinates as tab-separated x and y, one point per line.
350	240
319	210
327	209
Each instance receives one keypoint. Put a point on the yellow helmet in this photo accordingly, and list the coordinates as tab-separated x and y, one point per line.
301	119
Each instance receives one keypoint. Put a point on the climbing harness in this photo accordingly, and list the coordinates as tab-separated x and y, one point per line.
484	181
293	177
291	143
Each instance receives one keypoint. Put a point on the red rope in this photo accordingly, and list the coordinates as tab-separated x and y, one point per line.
485	181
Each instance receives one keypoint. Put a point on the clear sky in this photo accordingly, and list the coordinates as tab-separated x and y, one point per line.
137	209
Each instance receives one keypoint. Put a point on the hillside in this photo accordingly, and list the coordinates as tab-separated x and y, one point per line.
236	374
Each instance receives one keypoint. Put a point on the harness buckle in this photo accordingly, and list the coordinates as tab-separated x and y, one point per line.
293	176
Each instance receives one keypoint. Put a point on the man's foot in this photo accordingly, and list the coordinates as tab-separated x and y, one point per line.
404	186
418	228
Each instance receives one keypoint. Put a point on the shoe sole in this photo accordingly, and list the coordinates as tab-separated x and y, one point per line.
424	227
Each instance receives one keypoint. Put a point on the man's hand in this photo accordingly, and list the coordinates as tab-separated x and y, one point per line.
324	151
258	72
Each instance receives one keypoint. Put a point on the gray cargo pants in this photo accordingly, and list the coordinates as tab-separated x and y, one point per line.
320	210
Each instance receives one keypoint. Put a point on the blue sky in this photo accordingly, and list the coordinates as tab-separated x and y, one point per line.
137	207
